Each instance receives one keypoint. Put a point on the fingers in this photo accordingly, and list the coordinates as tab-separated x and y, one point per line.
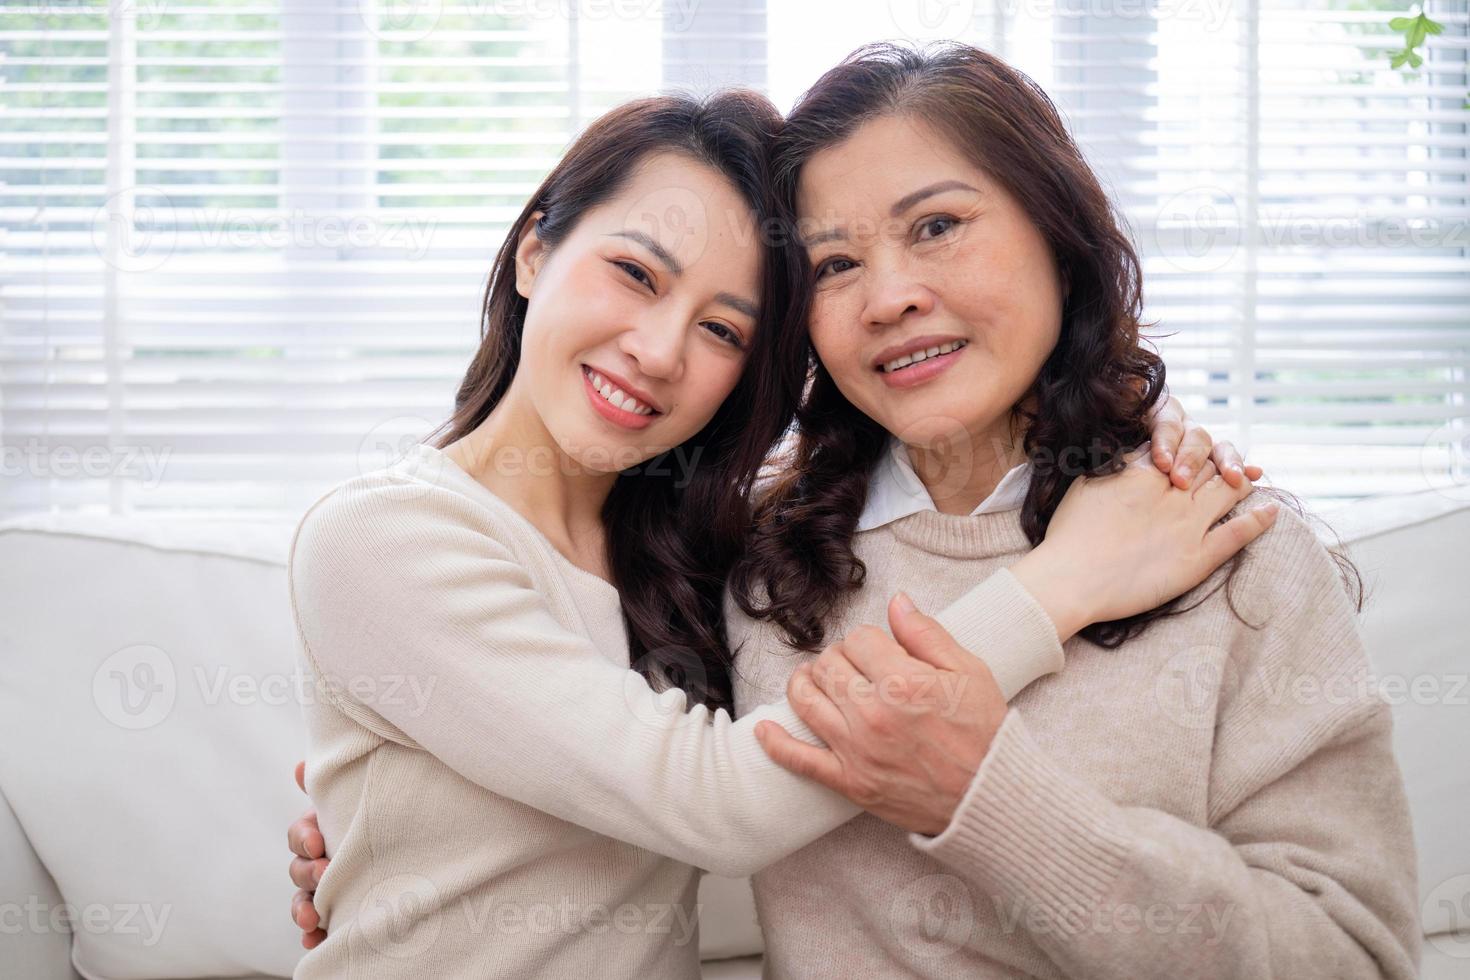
303	913
799	757
1166	430
1227	539
1228	461
1216	492
301	775
304	837
836	677
1207	472
923	638
1194	452
307	874
814	707
872	652
313	939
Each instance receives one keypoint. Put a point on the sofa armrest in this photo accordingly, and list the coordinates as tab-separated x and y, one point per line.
32	944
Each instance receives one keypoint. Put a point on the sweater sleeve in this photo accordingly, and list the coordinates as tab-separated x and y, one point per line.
1307	866
406	586
1000	622
997	620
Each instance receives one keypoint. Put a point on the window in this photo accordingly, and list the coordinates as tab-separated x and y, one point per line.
243	245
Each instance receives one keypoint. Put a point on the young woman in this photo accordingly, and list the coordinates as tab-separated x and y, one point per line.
500	793
1208	789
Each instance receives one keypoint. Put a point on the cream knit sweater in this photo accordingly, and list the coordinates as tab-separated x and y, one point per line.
1207	801
500	794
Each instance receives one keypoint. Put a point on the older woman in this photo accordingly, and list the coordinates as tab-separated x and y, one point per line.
1205	790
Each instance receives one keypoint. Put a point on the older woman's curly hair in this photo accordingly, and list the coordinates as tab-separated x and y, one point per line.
1090	404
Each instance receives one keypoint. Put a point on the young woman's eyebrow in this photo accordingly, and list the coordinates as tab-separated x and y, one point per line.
738	303
659	252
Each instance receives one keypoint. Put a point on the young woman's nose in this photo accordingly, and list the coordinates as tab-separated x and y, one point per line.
657	344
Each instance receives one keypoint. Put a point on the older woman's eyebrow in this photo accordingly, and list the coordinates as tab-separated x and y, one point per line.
659	252
822	237
909	200
899	207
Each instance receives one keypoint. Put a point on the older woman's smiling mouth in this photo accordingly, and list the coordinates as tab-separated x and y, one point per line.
918	360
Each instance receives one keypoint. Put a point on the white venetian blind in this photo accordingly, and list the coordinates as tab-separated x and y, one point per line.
244	244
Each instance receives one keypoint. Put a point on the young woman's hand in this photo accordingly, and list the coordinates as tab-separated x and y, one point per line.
304	838
1123	544
1181	447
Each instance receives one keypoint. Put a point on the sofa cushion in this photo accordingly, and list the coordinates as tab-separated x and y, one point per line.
148	666
144	680
1414	554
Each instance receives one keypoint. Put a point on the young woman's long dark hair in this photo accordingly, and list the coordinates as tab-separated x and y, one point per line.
676	523
1093	394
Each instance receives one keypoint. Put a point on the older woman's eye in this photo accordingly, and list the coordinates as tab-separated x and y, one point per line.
834	266
938	225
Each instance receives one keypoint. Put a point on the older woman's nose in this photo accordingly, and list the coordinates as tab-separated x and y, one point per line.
894	294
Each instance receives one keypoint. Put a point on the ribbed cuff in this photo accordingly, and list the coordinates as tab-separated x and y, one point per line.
1028	832
1001	622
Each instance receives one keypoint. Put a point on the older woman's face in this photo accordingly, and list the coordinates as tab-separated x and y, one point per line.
914	248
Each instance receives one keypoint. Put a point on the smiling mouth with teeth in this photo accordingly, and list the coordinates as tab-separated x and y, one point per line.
919	356
617	396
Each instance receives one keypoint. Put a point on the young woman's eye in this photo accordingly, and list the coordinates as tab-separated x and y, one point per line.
725	333
938	226
833	266
635	271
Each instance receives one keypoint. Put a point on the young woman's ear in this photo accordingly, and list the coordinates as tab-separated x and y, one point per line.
530	253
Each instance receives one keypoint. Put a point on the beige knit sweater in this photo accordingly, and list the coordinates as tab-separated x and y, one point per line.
1207	801
500	794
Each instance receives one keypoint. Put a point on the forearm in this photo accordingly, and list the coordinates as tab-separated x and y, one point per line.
1135	892
1002	622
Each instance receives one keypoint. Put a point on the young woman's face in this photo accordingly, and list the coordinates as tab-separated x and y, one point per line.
915	248
652	299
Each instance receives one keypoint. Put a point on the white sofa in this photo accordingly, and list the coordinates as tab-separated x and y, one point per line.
149	717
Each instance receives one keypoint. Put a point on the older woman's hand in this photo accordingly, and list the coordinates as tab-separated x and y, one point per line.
907	719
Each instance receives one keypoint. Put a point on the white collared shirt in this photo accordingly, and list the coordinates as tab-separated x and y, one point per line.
896	491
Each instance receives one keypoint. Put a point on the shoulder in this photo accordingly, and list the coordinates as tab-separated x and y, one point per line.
1290	561
402	523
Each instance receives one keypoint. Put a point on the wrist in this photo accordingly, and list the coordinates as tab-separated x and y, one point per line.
1057	588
